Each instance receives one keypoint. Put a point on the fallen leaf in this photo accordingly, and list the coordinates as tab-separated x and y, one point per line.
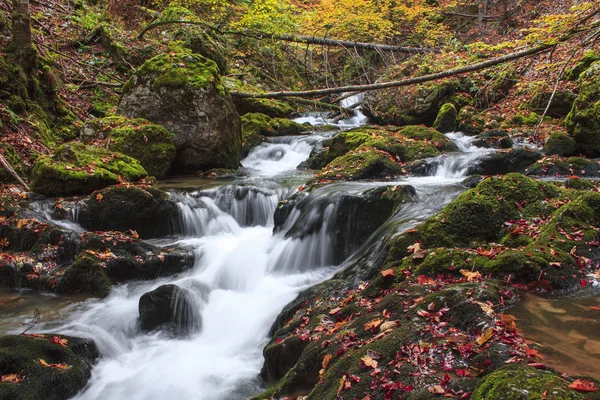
388	272
583	386
369	362
387	325
11	378
415	248
134	234
470	275
485	336
58	340
324	364
436	389
58	366
373	324
342	382
99	197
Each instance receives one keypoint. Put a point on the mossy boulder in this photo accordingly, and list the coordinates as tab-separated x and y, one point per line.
583	122
184	93
272	108
519	382
148	211
152	145
86	276
469	121
446	118
170	308
505	161
589	57
79	169
45	368
562	167
496	139
256	126
561	104
559	144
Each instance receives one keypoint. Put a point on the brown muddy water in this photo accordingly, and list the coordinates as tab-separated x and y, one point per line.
567	328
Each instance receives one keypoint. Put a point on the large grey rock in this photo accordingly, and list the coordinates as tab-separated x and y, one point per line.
184	93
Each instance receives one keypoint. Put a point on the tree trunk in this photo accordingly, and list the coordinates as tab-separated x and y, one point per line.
21	31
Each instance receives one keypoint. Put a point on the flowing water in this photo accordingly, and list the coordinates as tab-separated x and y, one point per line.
243	276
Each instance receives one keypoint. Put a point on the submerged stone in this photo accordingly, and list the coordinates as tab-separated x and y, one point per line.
170	308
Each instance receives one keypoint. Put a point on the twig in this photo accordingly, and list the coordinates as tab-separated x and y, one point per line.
12	172
34	320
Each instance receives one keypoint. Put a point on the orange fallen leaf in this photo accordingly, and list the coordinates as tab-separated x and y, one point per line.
11	378
58	340
99	197
415	248
134	234
470	275
583	386
436	389
373	324
324	364
342	382
388	272
57	366
334	311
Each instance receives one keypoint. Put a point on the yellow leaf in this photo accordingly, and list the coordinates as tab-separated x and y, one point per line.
369	362
21	223
485	336
415	248
470	275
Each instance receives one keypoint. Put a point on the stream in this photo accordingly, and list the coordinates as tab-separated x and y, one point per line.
244	275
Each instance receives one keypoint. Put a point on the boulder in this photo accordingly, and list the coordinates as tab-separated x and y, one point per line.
256	126
45	366
170	308
494	139
504	162
79	169
559	144
446	118
150	144
469	121
147	211
184	93
583	122
563	167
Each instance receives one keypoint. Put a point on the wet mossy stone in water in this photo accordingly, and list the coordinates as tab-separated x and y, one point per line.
147	211
583	122
498	139
170	308
504	162
561	167
185	94
446	118
559	144
21	355
151	144
79	169
86	276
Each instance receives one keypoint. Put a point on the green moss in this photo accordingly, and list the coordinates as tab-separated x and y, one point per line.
79	169
519	382
557	166
583	122
530	119
272	108
180	70
150	144
579	184
446	118
85	276
497	138
469	121
14	159
561	145
589	57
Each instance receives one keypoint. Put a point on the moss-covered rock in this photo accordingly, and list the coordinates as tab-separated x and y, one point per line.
170	308
559	144
150	144
86	276
44	368
184	93
583	122
560	166
272	108
149	212
79	169
561	104
518	382
256	126
498	139
589	57
469	121
506	161
446	118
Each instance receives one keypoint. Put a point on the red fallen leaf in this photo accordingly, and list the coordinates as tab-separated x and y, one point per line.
595	308
388	272
278	340
582	282
425	280
463	373
583	386
573	176
58	340
532	353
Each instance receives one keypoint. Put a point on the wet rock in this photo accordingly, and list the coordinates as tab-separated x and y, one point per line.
85	276
446	119
472	181
24	355
256	127
504	162
354	218
185	94
147	211
559	166
559	144
170	308
494	139
583	122
150	144
79	169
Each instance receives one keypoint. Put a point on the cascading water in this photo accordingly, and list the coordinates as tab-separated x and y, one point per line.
244	275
